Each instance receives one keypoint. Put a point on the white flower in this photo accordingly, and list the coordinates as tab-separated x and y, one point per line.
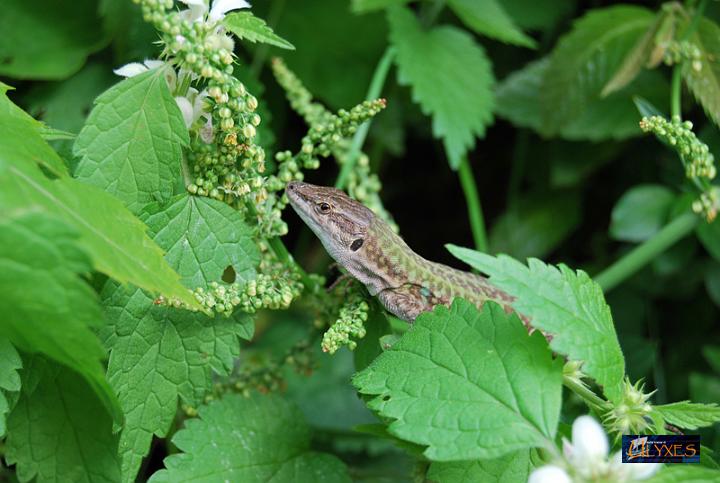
586	459
192	106
135	68
198	9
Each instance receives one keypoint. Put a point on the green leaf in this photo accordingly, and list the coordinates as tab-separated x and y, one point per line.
362	6
641	212
10	362
451	80
517	97
537	15
21	143
709	235
688	415
513	467
59	431
686	474
467	384
645	52
585	59
47	308
376	327
488	17
247	26
202	237
705	82
260	438
712	356
131	145
158	355
647	108
534	226
564	303
47	39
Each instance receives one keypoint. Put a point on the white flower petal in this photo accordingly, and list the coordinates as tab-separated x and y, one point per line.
199	3
131	69
589	440
549	474
196	12
206	132
187	110
198	104
153	63
221	7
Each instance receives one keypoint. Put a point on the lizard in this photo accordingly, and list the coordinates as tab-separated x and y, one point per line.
405	283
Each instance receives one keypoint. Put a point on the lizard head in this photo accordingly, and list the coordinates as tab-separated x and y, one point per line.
340	222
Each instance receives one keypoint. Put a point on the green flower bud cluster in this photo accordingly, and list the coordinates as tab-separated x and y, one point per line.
353	314
632	414
362	184
681	51
708	204
696	157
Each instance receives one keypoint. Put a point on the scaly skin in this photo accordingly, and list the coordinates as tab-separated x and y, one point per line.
405	283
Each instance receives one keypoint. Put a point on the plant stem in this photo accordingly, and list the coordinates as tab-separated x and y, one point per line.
591	399
647	251
475	214
675	92
376	86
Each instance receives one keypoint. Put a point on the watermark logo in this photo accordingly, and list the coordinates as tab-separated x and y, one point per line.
662	448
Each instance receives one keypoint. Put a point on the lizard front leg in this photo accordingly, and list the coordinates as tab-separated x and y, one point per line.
406	301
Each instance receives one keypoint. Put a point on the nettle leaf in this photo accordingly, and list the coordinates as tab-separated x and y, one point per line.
47	308
467	384
517	97
705	82
450	76
567	304
158	355
113	238
203	237
259	438
247	26
362	6
59	431
689	415
10	362
488	17
686	474
511	467
641	212
131	145
585	59
47	39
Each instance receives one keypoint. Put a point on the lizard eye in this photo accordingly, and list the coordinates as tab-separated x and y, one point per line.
323	208
356	244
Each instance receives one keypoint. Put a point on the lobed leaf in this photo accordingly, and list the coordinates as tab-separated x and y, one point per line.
131	144
450	76
203	237
59	431
513	467
566	304
47	308
488	17
247	26
689	415
254	439
10	385
704	83
467	384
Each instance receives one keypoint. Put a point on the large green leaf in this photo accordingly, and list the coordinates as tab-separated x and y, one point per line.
513	467
131	145
686	474
537	15
255	439
641	212
247	26
158	355
47	39
113	238
488	17
47	308
10	362
704	83
688	415
585	59
202	237
467	384
59	431
450	76
566	304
